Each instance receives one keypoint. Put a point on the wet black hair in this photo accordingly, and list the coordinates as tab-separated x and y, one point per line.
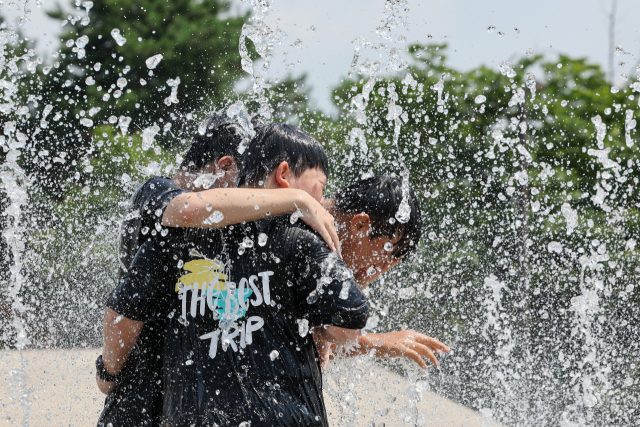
276	143
380	198
222	136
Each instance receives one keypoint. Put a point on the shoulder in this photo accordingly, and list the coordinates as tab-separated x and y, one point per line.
158	184
299	236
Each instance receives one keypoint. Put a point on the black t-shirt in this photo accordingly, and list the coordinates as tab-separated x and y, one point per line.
137	399
240	302
143	217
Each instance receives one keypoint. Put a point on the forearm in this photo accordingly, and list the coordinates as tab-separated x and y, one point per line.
120	335
340	336
236	205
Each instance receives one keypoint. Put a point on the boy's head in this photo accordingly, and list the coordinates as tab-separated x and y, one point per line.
283	156
213	159
372	239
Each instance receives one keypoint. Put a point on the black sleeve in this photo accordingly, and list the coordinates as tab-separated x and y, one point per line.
326	287
140	291
157	194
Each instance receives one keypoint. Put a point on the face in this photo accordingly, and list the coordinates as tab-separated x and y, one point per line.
312	181
367	258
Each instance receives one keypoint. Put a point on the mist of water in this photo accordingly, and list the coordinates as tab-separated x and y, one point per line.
530	279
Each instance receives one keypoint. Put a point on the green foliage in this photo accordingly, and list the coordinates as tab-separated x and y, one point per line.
197	46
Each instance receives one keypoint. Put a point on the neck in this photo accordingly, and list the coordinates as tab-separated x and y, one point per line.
183	180
342	219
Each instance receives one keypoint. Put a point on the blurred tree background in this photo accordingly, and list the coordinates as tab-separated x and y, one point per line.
527	177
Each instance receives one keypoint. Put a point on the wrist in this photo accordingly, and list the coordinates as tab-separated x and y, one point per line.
365	342
102	372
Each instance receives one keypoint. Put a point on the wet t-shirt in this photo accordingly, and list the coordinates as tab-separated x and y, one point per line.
143	217
241	301
136	399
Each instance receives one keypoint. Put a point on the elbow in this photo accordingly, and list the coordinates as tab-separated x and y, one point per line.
175	216
104	386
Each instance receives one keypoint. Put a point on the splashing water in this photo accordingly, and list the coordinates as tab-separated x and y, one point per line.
529	262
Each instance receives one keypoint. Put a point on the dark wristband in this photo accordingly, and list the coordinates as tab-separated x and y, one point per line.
102	372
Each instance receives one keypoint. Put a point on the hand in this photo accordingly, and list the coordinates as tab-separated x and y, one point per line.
410	344
324	347
317	217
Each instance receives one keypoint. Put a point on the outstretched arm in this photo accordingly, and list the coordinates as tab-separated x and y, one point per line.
238	205
120	335
410	344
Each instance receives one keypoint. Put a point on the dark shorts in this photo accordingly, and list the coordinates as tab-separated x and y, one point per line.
135	402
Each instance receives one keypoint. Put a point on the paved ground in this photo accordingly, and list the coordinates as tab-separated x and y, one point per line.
58	389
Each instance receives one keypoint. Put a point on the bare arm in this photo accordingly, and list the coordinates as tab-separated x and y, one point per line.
247	204
120	335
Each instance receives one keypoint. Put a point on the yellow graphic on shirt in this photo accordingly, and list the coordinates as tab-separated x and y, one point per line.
203	272
209	277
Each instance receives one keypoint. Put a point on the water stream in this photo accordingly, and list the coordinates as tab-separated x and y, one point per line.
527	176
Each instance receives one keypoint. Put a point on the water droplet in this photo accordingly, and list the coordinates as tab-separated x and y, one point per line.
144	230
262	239
90	81
303	327
491	28
480	99
180	264
371	271
407	293
214	218
295	216
153	61
247	242
148	136
86	122
208	206
312	298
372	322
115	33
189	362
555	247
455	292
529	52
388	246
274	355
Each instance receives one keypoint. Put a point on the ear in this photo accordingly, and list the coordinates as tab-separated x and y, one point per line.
360	224
226	163
283	175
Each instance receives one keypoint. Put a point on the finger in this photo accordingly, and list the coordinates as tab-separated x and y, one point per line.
334	234
432	343
326	236
415	357
424	351
321	229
